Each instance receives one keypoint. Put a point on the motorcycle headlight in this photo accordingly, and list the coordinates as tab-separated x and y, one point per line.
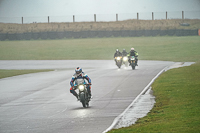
125	58
118	58
81	87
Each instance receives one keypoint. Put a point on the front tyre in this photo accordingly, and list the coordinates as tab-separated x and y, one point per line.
133	66
126	64
82	99
119	64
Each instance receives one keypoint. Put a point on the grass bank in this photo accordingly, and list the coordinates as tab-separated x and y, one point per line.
10	73
177	104
131	24
149	48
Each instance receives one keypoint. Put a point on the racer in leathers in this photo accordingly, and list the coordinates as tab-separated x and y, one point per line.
133	53
77	75
117	53
124	53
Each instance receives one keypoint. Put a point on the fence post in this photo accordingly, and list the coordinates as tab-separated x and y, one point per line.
166	15
48	19
182	14
116	17
137	16
94	17
152	16
73	18
22	20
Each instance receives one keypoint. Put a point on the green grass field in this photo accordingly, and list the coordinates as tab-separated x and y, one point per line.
149	48
177	90
10	73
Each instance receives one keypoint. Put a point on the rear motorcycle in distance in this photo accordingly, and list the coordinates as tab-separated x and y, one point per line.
132	62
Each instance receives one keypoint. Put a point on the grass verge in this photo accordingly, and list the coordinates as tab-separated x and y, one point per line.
177	104
149	48
131	24
10	73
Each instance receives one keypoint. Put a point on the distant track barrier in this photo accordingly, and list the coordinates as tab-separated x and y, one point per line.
96	34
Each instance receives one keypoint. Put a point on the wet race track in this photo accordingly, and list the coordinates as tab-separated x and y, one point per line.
42	102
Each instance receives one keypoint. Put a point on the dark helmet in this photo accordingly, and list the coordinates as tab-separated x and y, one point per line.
78	70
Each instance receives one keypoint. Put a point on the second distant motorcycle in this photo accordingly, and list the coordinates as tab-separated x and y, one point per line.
125	61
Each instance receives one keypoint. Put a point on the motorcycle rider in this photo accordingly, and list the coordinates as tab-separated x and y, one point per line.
117	53
124	53
133	53
79	74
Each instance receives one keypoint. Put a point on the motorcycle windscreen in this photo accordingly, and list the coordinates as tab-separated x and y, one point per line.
79	81
132	57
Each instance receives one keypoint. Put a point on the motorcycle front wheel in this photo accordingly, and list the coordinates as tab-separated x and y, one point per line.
83	101
133	66
119	64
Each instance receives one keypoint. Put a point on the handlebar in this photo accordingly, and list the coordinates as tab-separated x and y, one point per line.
79	84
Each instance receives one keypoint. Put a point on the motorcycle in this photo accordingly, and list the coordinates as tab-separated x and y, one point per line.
83	93
125	60
132	62
118	60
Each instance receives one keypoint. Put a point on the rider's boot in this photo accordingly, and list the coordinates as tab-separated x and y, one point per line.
136	63
129	62
89	95
77	96
89	92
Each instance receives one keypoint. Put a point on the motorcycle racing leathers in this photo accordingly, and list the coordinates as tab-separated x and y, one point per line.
84	76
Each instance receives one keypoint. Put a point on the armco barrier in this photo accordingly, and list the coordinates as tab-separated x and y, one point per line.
93	34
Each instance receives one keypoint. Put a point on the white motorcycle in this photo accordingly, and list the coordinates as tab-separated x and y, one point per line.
125	61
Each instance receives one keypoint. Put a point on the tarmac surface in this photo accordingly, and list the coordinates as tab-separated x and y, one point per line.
41	102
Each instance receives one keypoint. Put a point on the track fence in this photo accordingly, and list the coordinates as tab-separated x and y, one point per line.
104	17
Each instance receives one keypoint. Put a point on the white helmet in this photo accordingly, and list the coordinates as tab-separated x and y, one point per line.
132	48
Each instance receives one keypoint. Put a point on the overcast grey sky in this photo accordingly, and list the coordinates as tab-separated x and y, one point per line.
41	8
